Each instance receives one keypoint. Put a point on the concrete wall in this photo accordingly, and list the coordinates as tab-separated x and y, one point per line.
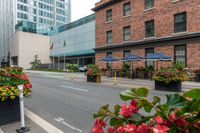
27	45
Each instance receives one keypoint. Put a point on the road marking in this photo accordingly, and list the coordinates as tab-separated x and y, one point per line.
42	123
1	131
61	120
73	88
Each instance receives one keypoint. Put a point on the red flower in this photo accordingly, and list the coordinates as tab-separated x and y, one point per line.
98	126
179	122
143	128
28	86
128	111
158	120
160	129
120	129
111	130
130	128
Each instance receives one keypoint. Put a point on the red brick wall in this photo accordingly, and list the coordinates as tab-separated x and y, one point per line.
163	14
193	56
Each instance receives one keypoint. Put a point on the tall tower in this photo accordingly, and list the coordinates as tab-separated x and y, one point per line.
54	13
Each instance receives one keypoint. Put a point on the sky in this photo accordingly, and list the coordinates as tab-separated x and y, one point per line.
82	8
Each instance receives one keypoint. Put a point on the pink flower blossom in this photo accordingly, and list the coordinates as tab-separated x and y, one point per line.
160	129
98	126
143	128
128	111
158	120
130	128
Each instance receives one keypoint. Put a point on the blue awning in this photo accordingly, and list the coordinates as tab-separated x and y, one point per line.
158	56
109	59
131	58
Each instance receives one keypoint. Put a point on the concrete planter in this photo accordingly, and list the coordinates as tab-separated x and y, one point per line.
9	111
96	79
172	86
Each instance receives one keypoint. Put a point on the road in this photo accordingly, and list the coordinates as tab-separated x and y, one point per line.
68	104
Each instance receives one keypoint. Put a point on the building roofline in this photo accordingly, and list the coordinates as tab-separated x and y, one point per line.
101	5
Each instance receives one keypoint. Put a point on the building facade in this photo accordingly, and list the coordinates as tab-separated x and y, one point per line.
74	42
140	27
53	13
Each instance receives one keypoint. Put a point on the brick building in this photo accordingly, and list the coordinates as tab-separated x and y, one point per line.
140	27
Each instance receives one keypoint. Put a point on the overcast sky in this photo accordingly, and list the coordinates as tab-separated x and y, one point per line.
82	8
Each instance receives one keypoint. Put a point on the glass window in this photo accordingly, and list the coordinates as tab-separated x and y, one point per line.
109	15
149	51
180	22
149	28
180	54
127	9
126	33
109	37
149	4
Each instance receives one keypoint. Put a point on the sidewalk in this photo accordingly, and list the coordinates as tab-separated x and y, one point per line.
11	128
121	82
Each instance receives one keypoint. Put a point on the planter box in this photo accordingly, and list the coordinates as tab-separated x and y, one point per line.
172	86
96	79
9	111
198	77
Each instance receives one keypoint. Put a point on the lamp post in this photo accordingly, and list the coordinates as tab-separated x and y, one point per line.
23	128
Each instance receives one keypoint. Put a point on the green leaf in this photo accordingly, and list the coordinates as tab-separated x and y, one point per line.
134	94
175	101
117	109
116	122
146	105
195	106
103	112
194	94
156	99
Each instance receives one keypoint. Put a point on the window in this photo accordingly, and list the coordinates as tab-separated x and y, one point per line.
149	28
180	22
126	33
109	15
149	4
149	51
109	65
127	9
109	37
126	54
180	54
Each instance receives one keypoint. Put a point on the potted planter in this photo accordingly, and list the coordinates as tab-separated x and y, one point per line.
9	94
197	73
169	79
93	74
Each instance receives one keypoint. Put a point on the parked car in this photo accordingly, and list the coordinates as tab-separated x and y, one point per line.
82	68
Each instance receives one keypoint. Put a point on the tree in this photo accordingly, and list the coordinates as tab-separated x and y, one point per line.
35	63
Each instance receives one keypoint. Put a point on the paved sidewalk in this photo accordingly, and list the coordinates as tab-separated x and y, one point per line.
121	82
11	128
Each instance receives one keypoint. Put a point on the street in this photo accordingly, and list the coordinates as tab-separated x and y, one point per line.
69	104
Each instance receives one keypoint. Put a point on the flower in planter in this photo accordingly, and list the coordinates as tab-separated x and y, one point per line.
180	114
93	70
10	78
172	74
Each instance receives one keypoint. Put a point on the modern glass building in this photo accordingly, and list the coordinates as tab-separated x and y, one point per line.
74	42
52	13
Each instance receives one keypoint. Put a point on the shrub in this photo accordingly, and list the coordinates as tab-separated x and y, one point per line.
73	67
173	74
10	78
180	114
93	70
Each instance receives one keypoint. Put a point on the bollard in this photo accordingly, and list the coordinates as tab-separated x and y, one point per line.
23	128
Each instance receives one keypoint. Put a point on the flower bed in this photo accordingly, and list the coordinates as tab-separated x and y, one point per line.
168	78
180	114
10	78
93	74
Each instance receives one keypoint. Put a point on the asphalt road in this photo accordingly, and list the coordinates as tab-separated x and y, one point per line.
69	105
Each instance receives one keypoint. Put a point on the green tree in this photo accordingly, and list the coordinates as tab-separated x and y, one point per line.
35	63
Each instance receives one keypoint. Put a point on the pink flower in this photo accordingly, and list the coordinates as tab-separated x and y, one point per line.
130	128
158	120
180	122
120	129
143	128
160	129
111	130
128	111
98	126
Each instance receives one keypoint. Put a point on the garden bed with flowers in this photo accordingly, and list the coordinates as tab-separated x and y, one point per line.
10	78
179	114
93	74
169	79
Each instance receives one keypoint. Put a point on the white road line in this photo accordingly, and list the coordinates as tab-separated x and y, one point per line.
62	121
73	88
1	131
42	123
